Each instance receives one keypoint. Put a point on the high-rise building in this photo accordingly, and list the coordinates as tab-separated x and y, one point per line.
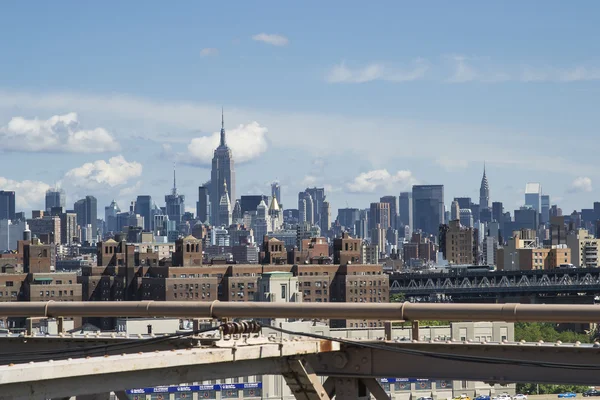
325	222
175	204
318	197
203	204
454	211
110	216
225	208
406	209
306	207
545	213
347	217
460	244
484	192
428	208
143	207
87	214
533	196
526	218
466	217
379	217
393	202
7	204
497	211
55	197
276	192
222	171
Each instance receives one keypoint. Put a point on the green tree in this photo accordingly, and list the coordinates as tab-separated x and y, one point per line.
397	298
532	388
536	331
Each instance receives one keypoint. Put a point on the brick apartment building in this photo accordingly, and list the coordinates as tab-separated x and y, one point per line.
122	274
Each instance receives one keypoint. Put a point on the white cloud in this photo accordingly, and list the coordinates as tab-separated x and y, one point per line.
372	72
29	194
550	74
209	51
247	142
368	182
60	133
451	164
272	39
465	71
309	133
116	172
480	69
581	184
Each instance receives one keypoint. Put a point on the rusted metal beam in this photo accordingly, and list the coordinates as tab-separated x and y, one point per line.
395	311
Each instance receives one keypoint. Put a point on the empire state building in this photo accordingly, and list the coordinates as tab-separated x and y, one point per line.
222	176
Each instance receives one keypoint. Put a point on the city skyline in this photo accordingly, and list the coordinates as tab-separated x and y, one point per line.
525	106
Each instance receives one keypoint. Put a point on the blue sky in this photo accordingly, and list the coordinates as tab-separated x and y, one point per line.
364	99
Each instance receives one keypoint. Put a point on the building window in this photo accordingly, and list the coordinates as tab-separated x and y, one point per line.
284	291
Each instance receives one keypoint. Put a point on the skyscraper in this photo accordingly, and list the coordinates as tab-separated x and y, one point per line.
497	211
276	192
406	209
175	204
379	215
203	204
87	215
428	208
55	197
318	197
222	171
225	208
110	216
454	211
393	202
325	223
7	205
306	207
545	213
347	217
484	192
143	207
533	196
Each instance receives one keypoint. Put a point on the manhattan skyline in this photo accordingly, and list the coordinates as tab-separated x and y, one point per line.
348	105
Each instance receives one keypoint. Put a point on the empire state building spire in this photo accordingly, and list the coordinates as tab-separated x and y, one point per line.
223	142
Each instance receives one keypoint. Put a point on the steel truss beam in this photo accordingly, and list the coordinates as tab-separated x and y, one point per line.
360	362
54	379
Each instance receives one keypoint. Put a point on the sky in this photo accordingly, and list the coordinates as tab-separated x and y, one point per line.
362	99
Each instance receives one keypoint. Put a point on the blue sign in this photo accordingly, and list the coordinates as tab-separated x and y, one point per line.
195	388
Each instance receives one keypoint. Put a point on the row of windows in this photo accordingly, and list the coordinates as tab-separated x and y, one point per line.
317	284
318	292
240	285
313	273
205	295
364	291
365	324
12	294
364	300
192	285
364	283
241	295
50	293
